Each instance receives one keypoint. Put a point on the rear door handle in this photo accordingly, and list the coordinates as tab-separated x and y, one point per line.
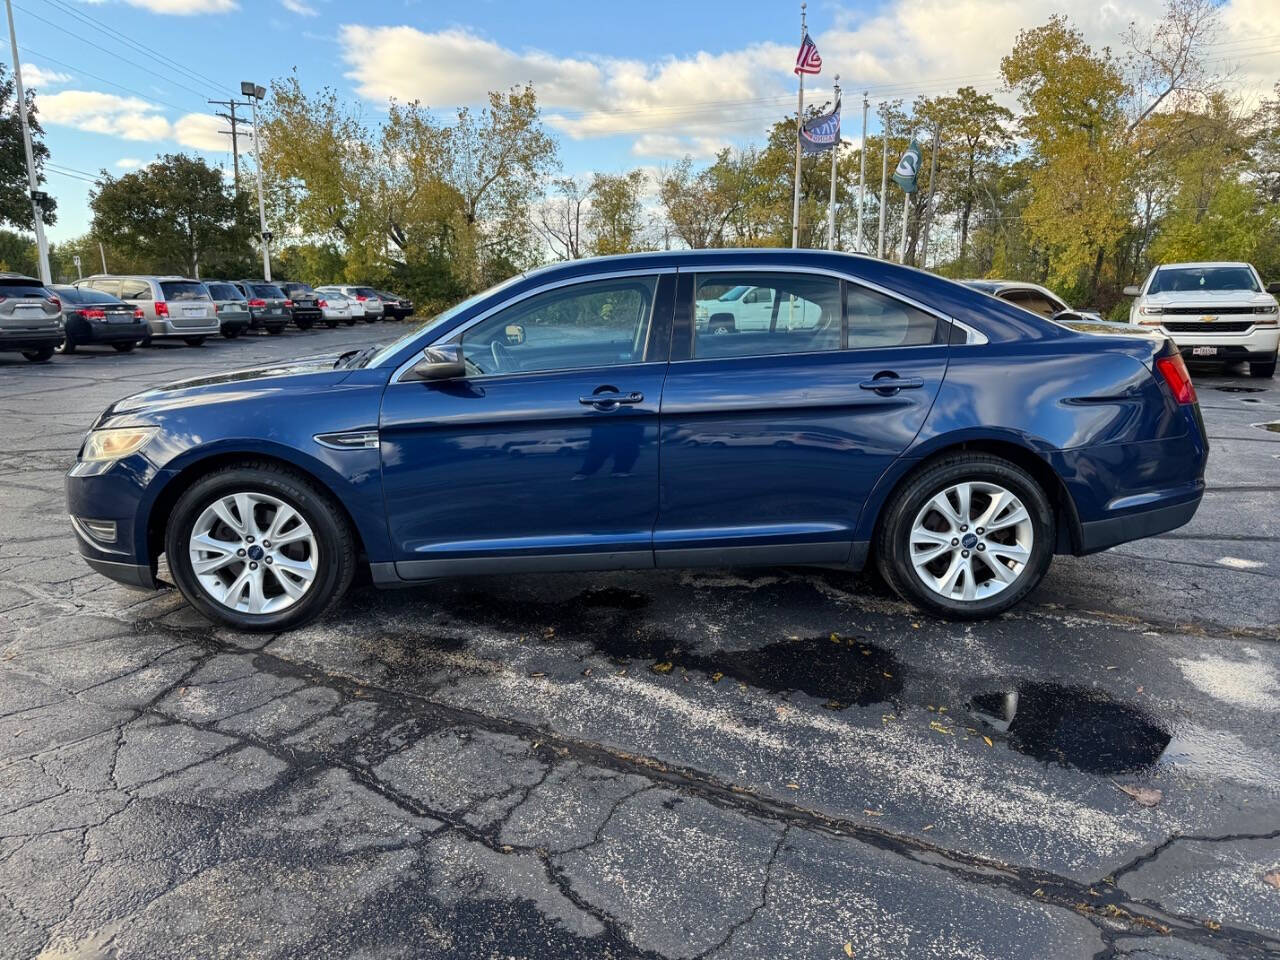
892	383
604	401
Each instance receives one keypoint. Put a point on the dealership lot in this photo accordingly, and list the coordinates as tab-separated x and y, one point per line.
670	764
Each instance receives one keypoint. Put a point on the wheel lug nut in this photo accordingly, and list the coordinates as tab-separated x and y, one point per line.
955	541
964	553
267	543
978	531
268	559
982	546
240	552
963	527
254	566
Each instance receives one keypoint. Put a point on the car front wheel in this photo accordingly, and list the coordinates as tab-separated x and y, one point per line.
1265	369
38	356
259	547
967	537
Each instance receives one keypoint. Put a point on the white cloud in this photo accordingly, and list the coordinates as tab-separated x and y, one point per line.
128	163
297	6
36	76
201	131
131	118
185	8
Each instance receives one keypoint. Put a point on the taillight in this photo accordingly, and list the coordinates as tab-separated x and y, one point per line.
360	298
55	301
139	315
92	314
288	303
1176	375
162	308
257	303
322	304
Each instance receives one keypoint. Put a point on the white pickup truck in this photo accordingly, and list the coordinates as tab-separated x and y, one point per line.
749	308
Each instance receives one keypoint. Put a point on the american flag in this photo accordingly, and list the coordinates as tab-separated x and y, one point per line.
807	60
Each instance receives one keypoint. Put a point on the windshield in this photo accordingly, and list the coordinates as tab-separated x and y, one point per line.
183	290
1206	279
733	293
391	349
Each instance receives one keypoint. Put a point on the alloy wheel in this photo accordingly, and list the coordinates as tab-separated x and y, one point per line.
253	553
971	541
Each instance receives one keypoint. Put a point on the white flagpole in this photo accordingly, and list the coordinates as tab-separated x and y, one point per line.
928	204
862	173
831	204
906	210
884	182
795	203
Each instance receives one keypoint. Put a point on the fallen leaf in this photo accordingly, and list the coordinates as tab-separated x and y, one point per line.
927	827
1143	796
793	786
664	667
717	677
888	674
835	638
942	709
1139	690
537	673
1113	668
939	728
586	672
987	741
1272	878
1213	924
1039	892
874	813
848	949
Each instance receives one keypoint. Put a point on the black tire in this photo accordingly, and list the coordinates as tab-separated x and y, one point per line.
1266	369
39	356
68	344
230	333
123	347
332	324
193	341
303	324
335	542
351	321
892	544
147	341
275	330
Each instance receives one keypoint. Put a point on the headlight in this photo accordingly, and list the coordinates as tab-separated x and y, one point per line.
113	444
1151	311
1270	309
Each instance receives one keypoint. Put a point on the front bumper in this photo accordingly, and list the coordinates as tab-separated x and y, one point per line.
121	493
1256	343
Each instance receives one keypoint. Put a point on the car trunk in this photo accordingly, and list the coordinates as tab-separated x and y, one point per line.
26	306
189	303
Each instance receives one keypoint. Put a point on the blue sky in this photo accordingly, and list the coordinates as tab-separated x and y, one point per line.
622	84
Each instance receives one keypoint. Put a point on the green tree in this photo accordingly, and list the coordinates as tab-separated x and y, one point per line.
615	220
15	198
177	214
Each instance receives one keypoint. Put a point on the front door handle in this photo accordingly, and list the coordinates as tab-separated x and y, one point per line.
607	401
891	384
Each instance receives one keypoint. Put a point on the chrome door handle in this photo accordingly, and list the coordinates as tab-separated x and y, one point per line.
605	400
892	383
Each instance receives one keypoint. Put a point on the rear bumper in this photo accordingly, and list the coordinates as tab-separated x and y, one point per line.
307	313
260	322
1102	534
161	328
30	341
97	331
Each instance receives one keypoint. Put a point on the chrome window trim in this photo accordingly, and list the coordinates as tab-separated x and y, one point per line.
543	288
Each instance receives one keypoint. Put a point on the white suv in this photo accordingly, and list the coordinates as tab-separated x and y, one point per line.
1212	311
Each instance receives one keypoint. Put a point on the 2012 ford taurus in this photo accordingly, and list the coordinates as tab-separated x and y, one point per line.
577	418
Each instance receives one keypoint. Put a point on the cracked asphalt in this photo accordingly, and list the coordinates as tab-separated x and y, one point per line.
764	763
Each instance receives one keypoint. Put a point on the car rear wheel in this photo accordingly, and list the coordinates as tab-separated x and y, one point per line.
193	341
351	321
230	333
331	324
303	324
259	547
275	330
68	344
123	347
1265	369
967	537
38	356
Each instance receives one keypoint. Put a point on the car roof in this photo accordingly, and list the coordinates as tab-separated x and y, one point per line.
1206	263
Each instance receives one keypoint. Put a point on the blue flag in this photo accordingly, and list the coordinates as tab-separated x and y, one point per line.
822	132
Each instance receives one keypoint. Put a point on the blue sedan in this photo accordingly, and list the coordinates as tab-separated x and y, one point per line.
618	414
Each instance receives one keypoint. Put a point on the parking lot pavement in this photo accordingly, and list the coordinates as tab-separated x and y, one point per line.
765	763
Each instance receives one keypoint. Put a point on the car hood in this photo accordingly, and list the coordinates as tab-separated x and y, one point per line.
233	385
1209	298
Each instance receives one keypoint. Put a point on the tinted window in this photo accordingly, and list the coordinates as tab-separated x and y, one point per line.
267	290
777	313
366	291
223	291
1193	279
74	295
132	289
10	287
877	320
183	290
587	325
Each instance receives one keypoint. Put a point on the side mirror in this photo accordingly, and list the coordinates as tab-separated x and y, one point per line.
1132	291
1273	286
515	334
440	362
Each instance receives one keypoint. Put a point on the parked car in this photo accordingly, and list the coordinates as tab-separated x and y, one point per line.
1030	296
268	306
304	303
1212	311
337	309
233	309
956	441
742	307
91	316
393	307
30	317
175	307
367	297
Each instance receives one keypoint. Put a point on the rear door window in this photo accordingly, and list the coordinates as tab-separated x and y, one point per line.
877	320
184	290
779	313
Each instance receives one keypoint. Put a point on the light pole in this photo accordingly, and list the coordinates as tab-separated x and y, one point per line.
256	93
37	196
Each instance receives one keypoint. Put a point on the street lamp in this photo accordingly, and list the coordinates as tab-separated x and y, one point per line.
255	93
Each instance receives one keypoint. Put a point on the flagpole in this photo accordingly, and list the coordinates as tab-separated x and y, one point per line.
906	210
928	204
884	182
862	173
795	202
831	204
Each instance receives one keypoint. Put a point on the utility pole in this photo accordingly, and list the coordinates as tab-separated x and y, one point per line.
884	175
831	202
862	172
234	132
256	93
37	195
